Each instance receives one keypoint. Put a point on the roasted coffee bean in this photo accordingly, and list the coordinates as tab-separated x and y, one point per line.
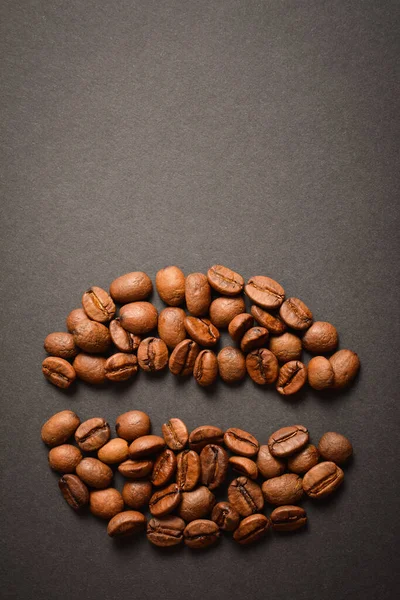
188	470
231	364
196	504
345	365
239	325
265	292
273	323
286	347
183	357
225	281
244	466
292	376
171	326
59	428
197	294
147	445
241	442
98	304
170	284
203	435
252	529
246	496
122	339
335	447
288	440
92	434
60	344
322	480
304	460
136	469
205	369
165	531
320	338
90	368
165	501
254	338
114	452
262	366
202	331
320	373
75	318
94	473
225	516
132	424
58	371
128	522
105	504
152	354
201	534
288	518
121	366
296	314
74	491
268	465
214	466
131	287
137	494
164	468
64	458
285	489
92	337
138	317
224	309
175	434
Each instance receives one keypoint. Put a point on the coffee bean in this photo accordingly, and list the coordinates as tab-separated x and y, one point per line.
75	318
262	366
224	309
170	284
322	480
132	424
105	504
123	340
201	534
345	365
320	338
205	369
164	468
121	366
165	531
146	445
288	440
202	331
241	442
197	294
246	496
231	364
90	368
136	469
58	371
273	323
285	489
245	466
286	347
296	314
251	529
165	501
203	435
60	344
92	337
92	434
183	357
188	470
152	354
288	518
137	494
239	325
128	522
94	473
320	373
264	291
335	447
196	504
74	491
175	434
225	516
98	304
138	317
59	428
268	465
214	465
64	458
292	376
131	287
304	460
114	452
254	338
171	326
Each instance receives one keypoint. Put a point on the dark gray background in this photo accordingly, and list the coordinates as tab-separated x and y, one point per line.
261	135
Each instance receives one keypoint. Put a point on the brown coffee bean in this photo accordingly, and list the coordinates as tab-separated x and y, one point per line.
252	529
231	364
304	460
123	340
183	357
264	291
105	504
225	516
203	435
296	314
90	368
121	366
292	376
136	469
320	373
58	371
59	428
246	496
262	366
146	445
225	281
241	442
171	326
92	434
188	470
197	294
114	452
165	531
273	323
94	473
75	318
175	434
345	365
137	494
138	317
165	501
322	480
131	287
320	338
224	309
239	325
201	534
132	424
170	284
288	440
205	369
244	466
214	466
74	491
254	338
335	447
202	331
152	354
285	489
128	522
98	304
92	337
64	458
164	468
286	347
60	344
288	518
268	465
196	504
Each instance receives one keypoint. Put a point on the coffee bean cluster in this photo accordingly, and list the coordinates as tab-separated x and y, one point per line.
178	475
104	346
